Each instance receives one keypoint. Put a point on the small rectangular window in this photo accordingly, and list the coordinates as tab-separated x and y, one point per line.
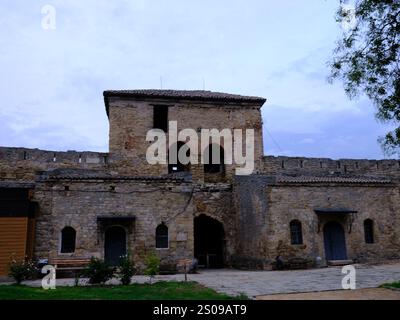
160	118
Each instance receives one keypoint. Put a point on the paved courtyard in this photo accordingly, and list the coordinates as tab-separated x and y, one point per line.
359	294
257	283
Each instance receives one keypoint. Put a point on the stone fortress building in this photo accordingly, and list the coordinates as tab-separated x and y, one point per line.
82	204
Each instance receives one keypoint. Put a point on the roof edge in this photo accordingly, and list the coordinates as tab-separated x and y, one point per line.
181	95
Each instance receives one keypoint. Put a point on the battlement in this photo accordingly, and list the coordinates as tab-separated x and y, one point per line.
325	166
22	164
76	158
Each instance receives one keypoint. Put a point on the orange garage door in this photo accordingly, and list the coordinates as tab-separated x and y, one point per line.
13	236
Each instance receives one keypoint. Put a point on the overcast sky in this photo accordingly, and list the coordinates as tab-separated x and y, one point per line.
51	81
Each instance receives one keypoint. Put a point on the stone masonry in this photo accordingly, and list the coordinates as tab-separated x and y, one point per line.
81	189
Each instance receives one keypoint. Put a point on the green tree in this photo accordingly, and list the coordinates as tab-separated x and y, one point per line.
367	59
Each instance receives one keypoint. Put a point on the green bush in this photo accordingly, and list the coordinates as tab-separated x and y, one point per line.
22	270
126	270
98	271
152	263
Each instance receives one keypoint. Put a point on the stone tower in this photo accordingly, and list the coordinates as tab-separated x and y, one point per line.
132	113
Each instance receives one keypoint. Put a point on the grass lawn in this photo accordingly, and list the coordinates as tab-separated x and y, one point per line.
157	291
392	285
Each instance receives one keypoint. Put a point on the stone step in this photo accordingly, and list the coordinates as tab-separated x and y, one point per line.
339	262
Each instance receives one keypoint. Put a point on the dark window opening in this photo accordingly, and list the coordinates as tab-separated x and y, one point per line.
160	118
216	166
68	237
369	231
66	188
178	166
161	236
296	234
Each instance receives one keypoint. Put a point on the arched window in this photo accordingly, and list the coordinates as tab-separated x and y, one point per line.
214	155
68	237
369	231
296	234
161	236
176	165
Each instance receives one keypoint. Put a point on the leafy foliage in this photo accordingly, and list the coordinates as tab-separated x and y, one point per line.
152	263
98	271
22	270
126	270
367	60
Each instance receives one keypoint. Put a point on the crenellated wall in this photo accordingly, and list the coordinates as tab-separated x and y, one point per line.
23	163
278	165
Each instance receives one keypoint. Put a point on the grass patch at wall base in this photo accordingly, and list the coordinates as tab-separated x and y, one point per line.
158	291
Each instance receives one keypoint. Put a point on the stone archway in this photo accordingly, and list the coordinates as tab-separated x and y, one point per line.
209	242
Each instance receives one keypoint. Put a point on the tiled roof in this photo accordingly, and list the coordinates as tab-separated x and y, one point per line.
192	95
16	184
350	180
110	178
182	94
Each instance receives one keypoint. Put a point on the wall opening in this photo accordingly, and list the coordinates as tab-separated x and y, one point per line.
214	155
209	242
162	236
296	233
178	166
160	118
369	231
68	238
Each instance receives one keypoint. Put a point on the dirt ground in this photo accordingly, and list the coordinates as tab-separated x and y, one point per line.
358	294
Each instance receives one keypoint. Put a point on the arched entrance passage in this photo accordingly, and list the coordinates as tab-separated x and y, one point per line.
334	240
114	244
209	242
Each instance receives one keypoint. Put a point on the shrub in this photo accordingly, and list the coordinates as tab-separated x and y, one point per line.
152	263
22	270
126	270
98	271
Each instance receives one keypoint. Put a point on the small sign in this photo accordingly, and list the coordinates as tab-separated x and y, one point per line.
181	236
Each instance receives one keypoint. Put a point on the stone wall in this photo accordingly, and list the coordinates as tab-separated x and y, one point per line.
131	120
281	165
264	218
173	203
381	204
76	188
23	163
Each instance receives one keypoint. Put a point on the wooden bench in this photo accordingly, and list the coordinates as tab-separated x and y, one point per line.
69	263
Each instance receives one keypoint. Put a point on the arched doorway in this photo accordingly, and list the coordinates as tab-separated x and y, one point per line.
114	244
209	242
334	240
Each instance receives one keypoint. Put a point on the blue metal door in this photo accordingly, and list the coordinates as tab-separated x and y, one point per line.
334	240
